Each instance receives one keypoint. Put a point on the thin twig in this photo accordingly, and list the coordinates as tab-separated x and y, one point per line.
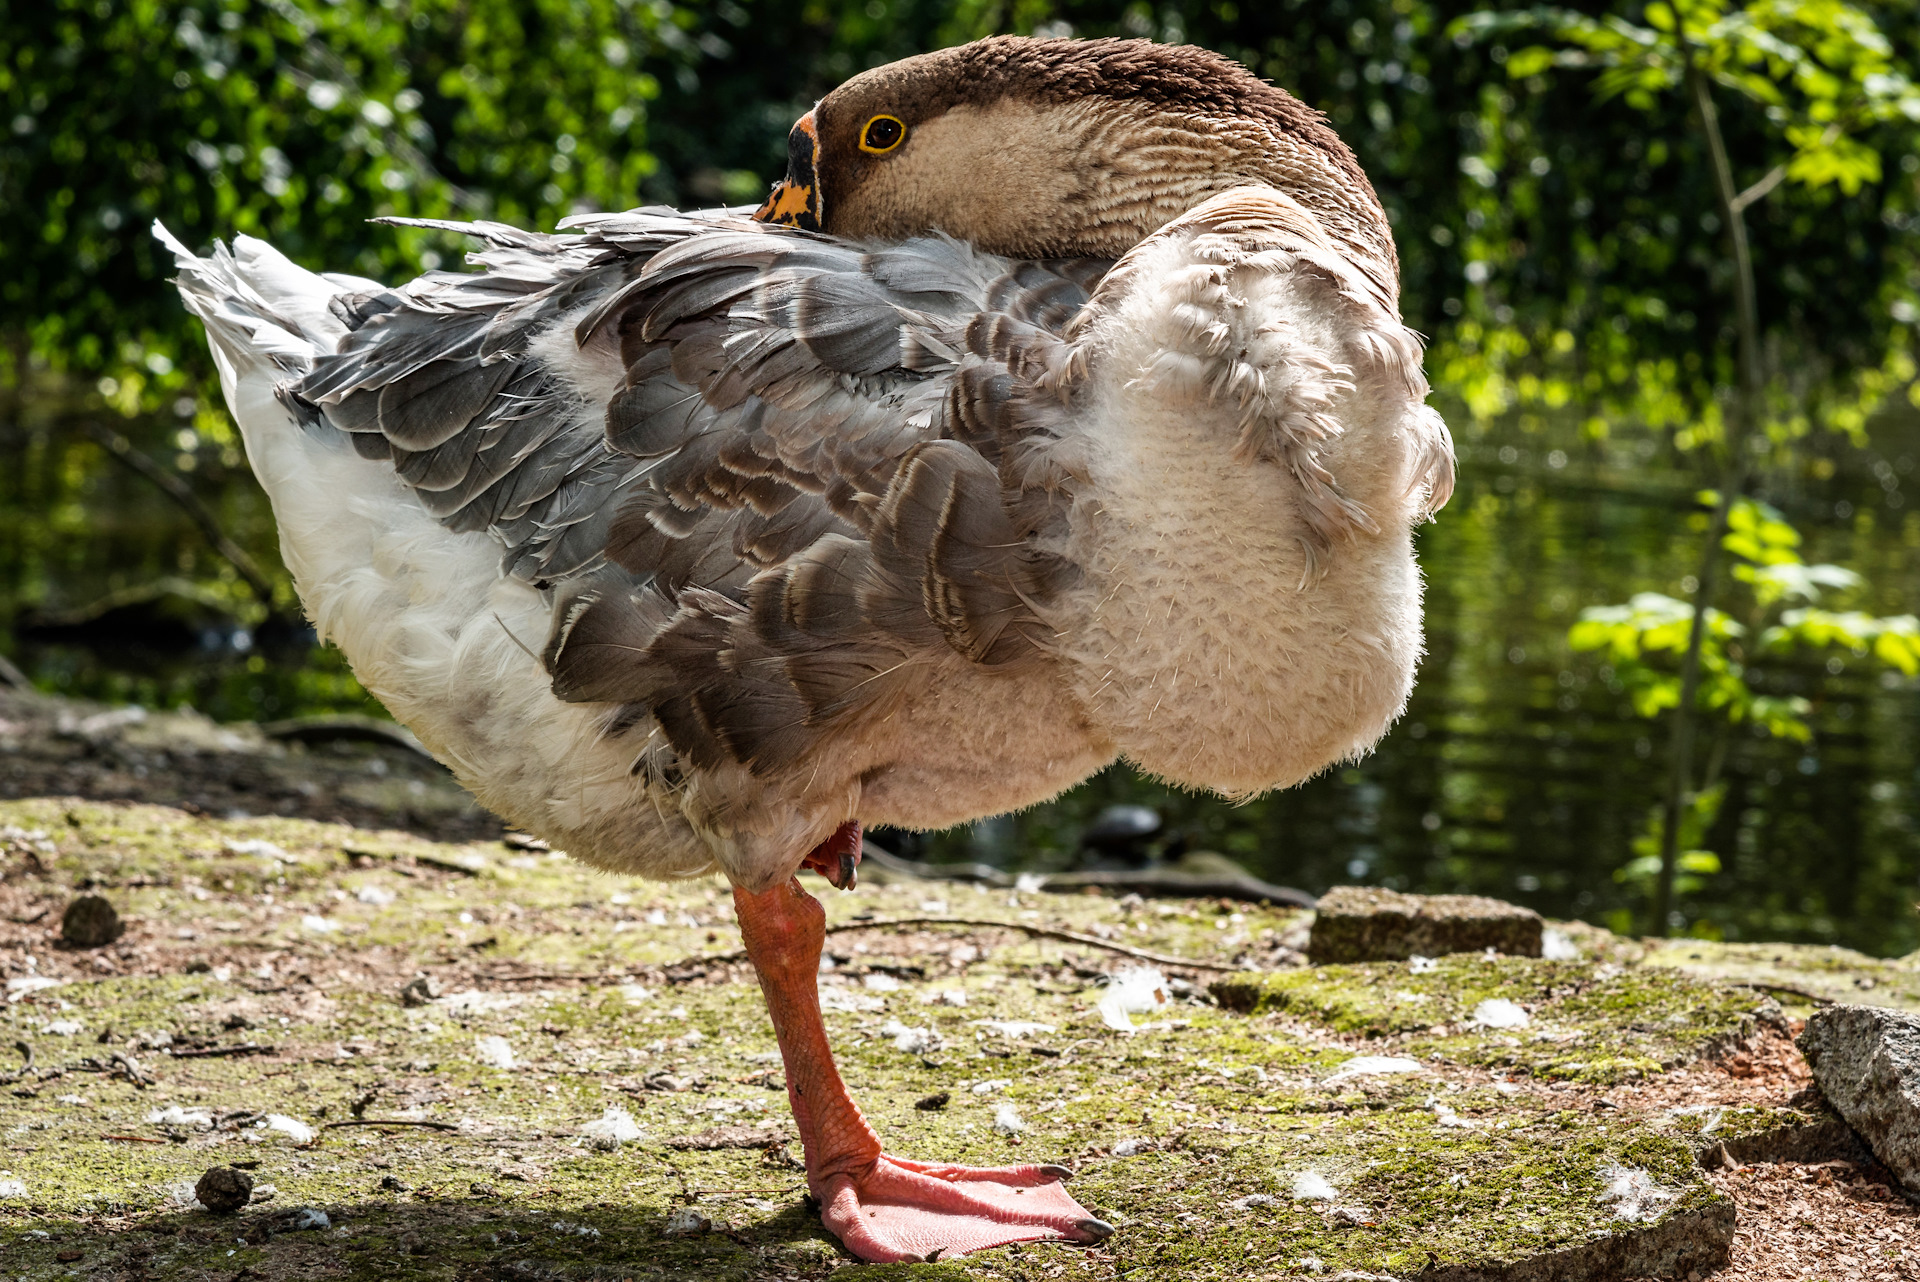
1760	190
10	675
448	865
553	978
1775	176
212	1052
1746	409
181	493
327	729
1038	932
1788	989
126	1063
134	1139
1152	881
26	1053
391	1121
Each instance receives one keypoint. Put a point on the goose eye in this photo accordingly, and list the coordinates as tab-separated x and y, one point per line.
882	134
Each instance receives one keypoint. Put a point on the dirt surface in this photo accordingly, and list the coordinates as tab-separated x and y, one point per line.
1833	1221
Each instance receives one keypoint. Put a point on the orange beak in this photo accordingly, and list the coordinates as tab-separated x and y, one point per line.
795	199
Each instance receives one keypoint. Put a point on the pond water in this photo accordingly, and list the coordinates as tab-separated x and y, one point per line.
1519	770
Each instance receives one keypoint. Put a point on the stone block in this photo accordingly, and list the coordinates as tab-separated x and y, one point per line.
1866	1061
1366	923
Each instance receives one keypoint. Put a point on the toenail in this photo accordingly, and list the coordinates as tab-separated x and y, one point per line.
1056	1172
1096	1229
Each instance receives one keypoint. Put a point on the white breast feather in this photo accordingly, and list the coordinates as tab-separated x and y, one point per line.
1243	625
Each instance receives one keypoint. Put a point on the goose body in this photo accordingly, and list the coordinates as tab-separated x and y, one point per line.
690	541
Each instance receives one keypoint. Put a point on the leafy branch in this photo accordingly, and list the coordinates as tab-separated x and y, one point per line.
1821	71
1639	641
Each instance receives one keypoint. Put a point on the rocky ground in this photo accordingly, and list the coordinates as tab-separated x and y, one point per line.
593	1093
64	748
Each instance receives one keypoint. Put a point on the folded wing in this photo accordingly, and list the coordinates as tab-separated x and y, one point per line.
762	474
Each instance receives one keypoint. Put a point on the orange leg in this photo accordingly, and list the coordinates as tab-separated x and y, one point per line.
883	1208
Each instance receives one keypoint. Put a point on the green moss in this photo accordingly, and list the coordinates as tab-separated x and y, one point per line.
1420	1194
1221	1106
1799	976
1586	1022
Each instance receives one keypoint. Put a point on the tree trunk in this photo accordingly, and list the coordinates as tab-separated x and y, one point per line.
1746	405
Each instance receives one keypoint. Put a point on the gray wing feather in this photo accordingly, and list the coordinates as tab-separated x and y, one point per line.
827	464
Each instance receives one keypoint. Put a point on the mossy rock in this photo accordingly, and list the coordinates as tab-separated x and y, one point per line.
1585	1021
1800	976
1369	923
1748	1134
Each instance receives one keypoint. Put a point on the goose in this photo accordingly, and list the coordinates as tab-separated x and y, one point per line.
1054	409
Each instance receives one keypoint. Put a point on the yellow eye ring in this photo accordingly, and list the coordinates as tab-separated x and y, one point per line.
882	134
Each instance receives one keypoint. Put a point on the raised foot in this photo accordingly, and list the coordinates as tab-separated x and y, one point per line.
904	1210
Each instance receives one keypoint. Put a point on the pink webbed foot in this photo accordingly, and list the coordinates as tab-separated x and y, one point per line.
885	1209
904	1210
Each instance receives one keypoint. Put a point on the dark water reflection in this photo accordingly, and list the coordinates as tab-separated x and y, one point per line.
1517	772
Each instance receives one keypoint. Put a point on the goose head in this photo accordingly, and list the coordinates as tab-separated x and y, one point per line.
1062	148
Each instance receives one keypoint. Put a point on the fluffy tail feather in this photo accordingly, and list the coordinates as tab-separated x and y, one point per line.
422	612
264	313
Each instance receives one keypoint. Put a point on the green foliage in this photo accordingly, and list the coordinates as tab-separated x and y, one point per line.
297	123
1822	76
1821	69
1534	244
1644	639
1695	864
1654	624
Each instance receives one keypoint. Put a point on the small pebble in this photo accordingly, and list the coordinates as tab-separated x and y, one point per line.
420	990
89	922
223	1190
